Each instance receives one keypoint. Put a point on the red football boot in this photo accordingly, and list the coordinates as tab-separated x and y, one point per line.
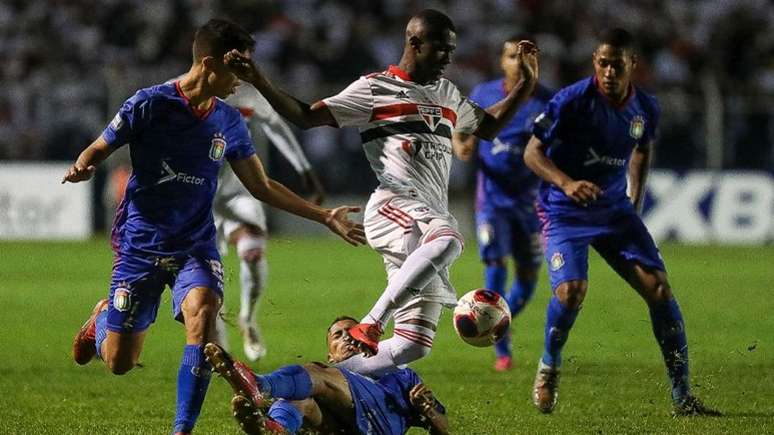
85	341
252	420
366	336
237	373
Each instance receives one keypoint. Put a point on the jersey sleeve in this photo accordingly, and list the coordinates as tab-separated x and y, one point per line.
547	124
239	145
469	116
129	121
353	106
651	128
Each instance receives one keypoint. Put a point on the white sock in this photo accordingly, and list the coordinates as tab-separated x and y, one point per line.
394	353
252	277
420	267
221	333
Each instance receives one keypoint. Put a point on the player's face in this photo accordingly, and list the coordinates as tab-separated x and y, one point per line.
222	81
339	345
434	55
613	69
509	60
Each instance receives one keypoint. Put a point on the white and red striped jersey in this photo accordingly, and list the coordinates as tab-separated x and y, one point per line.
406	129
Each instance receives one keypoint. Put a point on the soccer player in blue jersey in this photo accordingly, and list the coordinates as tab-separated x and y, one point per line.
179	133
506	221
329	399
583	143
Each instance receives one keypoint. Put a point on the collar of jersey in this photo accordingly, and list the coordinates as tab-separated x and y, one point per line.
629	94
397	72
199	114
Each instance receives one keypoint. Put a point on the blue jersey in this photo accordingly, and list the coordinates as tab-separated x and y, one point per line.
176	154
382	406
590	138
503	179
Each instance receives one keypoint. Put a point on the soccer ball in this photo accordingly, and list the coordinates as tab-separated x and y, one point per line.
481	317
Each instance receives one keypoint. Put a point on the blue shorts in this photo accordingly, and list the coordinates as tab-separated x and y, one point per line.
502	233
620	239
375	410
138	282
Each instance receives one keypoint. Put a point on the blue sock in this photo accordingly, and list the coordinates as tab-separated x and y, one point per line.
494	279
559	321
193	378
101	332
284	413
289	382
521	293
669	329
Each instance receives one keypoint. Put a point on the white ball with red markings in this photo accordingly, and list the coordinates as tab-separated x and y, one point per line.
481	317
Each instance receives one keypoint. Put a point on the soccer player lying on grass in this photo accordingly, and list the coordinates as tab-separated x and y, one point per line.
180	134
590	133
329	399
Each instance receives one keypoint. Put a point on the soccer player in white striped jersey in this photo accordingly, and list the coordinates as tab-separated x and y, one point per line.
406	116
240	219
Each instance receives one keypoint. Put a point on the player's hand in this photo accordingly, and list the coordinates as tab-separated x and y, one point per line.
241	65
338	222
582	191
312	183
78	173
422	399
528	61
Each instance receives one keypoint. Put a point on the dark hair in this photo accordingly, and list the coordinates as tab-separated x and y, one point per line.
435	22
339	319
618	38
218	36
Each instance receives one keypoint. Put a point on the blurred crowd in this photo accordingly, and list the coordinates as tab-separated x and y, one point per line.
68	64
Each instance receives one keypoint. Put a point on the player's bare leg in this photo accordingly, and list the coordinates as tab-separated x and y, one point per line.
200	309
250	244
561	313
669	328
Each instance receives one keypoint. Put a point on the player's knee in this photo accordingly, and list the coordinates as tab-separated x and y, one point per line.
497	262
527	273
661	292
251	248
119	365
410	352
572	293
444	250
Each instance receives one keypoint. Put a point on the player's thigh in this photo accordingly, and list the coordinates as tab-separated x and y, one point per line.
567	258
197	295
526	247
633	254
493	234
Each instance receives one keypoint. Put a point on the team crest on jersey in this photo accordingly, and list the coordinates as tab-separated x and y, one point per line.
122	299
431	115
557	261
218	147
637	127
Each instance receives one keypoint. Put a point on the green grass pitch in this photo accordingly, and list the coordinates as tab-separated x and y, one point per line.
613	381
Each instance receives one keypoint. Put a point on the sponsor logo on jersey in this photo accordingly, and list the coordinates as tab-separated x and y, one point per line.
181	177
637	127
557	261
431	115
592	158
218	147
122	299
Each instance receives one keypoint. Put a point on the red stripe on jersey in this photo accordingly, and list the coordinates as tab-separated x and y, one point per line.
246	111
403	109
397	211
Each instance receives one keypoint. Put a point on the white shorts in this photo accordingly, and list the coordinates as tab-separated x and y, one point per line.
395	226
232	213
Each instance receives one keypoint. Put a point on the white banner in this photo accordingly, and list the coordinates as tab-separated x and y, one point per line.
734	207
34	205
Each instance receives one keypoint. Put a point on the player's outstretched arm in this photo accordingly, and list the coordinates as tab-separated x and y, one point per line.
251	173
639	165
580	191
464	145
424	402
499	114
296	111
86	164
